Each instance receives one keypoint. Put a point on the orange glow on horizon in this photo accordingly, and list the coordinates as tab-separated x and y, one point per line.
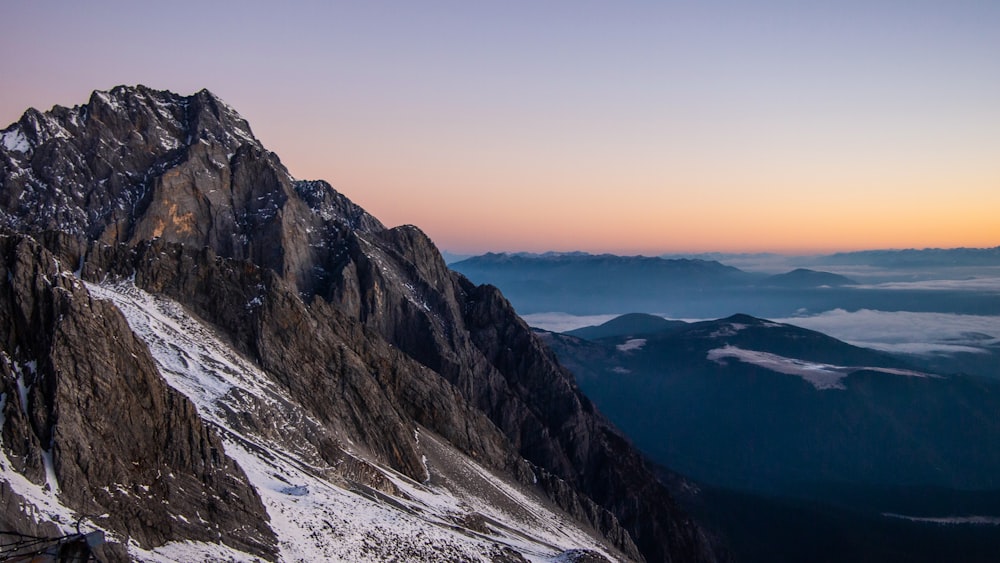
498	211
666	127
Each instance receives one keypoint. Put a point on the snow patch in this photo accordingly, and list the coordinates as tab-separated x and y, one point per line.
821	376
632	344
14	140
42	501
729	329
50	471
187	551
949	520
316	514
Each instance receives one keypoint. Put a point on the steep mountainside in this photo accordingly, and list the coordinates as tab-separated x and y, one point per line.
355	366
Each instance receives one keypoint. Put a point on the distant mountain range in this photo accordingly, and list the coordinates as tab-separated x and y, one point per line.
889	258
752	404
805	436
587	284
919	258
884	258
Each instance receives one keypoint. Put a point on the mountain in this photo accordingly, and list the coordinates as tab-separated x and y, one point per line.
805	447
805	278
632	324
756	405
920	258
584	283
210	360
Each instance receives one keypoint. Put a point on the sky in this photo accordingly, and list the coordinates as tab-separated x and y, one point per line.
628	127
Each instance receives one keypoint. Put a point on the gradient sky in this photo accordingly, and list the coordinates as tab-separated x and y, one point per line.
628	127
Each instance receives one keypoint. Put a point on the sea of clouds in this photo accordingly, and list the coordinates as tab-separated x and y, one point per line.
898	331
905	331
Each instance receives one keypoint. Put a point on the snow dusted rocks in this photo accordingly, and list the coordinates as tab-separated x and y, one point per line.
355	394
87	416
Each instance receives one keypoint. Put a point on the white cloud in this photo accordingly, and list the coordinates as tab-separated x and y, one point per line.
821	376
908	332
632	344
971	284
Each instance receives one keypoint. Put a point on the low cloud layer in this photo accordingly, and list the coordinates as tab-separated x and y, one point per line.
900	332
906	332
973	284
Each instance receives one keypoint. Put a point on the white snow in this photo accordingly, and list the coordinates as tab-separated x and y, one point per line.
821	376
50	471
632	344
110	101
14	140
728	329
41	501
22	392
188	551
317	514
949	520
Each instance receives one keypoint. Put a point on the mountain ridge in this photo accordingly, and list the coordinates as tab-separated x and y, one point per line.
744	396
362	325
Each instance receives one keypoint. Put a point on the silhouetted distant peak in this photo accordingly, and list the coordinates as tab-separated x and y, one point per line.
920	258
805	278
742	318
551	259
631	324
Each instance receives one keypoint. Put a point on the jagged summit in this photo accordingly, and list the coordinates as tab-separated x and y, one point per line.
135	164
328	356
85	169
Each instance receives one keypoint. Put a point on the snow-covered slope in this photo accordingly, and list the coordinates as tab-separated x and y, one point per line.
346	510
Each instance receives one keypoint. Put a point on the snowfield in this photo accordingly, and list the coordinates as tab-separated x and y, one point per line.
462	512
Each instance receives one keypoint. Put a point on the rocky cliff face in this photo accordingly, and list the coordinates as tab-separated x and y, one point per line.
86	413
362	328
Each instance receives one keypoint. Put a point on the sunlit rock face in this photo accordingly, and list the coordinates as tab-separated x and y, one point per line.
194	337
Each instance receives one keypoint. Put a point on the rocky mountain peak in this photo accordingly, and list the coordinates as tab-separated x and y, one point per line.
342	354
135	164
90	169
